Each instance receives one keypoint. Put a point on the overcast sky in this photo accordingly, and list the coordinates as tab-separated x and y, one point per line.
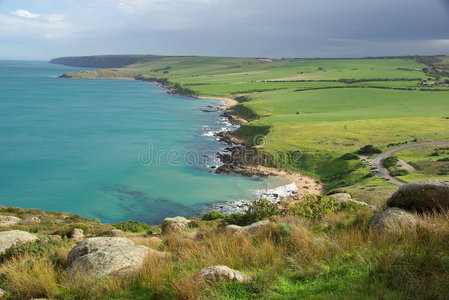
43	29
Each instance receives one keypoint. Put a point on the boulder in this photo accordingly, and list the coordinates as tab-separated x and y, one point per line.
2	293
9	220
222	273
341	197
393	219
427	195
116	232
253	228
10	238
102	256
31	220
77	235
176	224
345	197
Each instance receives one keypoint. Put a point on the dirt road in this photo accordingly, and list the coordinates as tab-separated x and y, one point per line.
384	173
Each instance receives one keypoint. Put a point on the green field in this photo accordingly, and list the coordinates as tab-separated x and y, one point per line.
323	108
430	162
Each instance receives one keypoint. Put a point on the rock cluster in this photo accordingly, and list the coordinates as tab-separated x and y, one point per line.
9	220
421	196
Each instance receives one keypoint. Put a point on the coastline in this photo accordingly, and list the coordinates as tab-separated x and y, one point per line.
300	184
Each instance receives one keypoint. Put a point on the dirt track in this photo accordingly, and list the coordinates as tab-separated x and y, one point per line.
383	172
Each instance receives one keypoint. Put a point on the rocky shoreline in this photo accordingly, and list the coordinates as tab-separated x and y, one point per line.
238	157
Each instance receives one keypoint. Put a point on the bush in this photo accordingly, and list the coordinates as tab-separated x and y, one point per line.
241	99
391	161
213	215
400	172
259	210
369	149
39	248
132	226
349	156
316	206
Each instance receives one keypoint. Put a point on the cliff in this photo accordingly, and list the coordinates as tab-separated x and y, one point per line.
103	61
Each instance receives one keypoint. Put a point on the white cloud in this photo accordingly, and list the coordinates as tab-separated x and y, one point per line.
25	14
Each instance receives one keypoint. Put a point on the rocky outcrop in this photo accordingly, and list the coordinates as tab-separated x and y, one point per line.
345	197
427	195
103	256
31	220
9	220
12	237
393	219
341	197
77	235
251	229
116	232
176	224
222	273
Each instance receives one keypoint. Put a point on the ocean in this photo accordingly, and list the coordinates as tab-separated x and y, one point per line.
114	150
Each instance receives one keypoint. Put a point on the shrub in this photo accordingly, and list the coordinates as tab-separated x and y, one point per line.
39	248
390	161
241	99
132	226
213	215
349	156
259	210
316	206
369	149
400	172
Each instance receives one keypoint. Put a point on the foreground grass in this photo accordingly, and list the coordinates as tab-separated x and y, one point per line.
331	257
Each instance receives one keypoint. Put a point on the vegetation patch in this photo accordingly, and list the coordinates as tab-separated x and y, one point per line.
132	226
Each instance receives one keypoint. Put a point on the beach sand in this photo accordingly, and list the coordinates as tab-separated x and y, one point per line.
306	184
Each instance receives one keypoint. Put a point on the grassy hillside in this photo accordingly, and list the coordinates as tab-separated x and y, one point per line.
318	249
322	108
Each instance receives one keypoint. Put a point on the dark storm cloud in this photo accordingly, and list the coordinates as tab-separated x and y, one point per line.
230	27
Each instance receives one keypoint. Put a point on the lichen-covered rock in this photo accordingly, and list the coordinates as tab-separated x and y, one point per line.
253	228
31	220
116	232
345	197
10	238
341	196
102	256
77	235
424	195
9	220
222	273
176	224
393	219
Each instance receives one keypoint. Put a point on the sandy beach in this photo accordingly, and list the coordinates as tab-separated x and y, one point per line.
306	184
229	101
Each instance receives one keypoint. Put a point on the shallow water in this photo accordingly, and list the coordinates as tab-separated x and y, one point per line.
108	149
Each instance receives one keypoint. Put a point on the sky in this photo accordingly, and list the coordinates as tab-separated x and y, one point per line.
44	29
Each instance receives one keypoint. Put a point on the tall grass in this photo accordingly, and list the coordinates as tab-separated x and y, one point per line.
408	264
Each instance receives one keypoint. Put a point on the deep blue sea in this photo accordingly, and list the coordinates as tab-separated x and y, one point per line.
109	149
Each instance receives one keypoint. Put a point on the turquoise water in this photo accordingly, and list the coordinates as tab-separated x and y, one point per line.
107	149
